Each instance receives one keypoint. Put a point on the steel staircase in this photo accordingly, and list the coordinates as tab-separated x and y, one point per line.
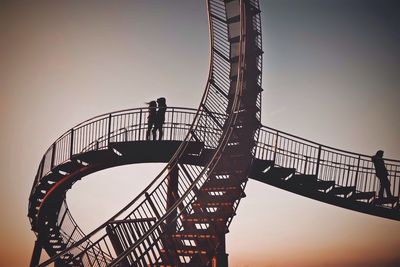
181	218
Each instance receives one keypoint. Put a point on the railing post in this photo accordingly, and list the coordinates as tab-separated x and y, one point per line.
172	124
41	166
71	152
318	160
37	250
398	192
305	165
348	174
276	147
357	170
109	131
140	123
53	155
152	205
62	218
70	237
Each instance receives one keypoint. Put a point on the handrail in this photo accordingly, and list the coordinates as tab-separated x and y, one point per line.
322	145
176	109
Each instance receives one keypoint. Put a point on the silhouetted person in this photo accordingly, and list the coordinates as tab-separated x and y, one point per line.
382	174
151	119
160	118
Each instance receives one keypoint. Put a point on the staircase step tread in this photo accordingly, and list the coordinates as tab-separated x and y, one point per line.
208	216
68	166
342	190
303	179
187	252
275	173
260	165
230	195
222	183
96	156
363	195
386	200
324	185
190	235
212	204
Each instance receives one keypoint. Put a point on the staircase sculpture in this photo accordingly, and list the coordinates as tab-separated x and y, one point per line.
182	216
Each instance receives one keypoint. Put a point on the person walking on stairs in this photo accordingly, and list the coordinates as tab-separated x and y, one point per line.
382	174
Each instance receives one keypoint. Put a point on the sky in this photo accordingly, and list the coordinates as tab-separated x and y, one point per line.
331	75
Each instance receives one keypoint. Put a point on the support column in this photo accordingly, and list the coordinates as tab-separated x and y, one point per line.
37	251
172	193
220	259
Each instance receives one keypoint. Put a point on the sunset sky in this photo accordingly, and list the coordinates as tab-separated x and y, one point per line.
331	74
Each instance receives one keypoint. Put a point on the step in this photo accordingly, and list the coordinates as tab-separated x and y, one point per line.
261	165
323	185
220	198
363	195
97	156
274	173
221	194
51	178
226	169
215	184
186	252
189	235
215	203
223	187
342	190
386	200
303	179
206	217
243	136
68	166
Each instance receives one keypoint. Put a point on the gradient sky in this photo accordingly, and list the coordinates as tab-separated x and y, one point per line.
331	75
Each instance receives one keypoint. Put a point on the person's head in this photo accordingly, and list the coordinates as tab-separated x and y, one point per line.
152	104
379	153
161	101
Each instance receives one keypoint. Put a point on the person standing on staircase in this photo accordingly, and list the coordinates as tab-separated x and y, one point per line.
160	118
382	174
151	119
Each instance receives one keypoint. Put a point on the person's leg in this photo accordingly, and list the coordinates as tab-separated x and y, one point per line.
160	135
381	188
155	132
387	188
149	126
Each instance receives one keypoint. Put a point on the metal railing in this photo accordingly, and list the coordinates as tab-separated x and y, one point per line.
326	163
120	126
286	150
151	202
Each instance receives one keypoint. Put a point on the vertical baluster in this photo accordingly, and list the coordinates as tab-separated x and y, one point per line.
276	147
71	151
109	131
357	171
140	123
318	160
172	124
53	155
398	192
